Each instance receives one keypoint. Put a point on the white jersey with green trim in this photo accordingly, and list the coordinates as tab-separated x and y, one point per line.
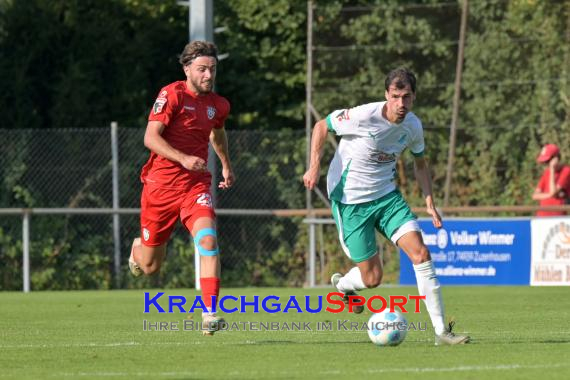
363	168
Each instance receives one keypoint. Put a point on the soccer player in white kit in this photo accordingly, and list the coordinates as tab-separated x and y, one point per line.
361	184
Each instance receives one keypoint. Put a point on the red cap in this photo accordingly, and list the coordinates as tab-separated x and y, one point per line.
548	151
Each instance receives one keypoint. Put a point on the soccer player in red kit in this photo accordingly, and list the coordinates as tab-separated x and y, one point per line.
184	118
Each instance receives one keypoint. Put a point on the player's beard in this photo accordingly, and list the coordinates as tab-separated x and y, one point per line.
203	87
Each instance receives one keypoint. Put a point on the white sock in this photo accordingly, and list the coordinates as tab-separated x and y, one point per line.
428	285
352	281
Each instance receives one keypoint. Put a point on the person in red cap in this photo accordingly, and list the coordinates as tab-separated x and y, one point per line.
553	189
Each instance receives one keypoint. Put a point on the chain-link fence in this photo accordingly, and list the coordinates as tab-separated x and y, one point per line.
73	169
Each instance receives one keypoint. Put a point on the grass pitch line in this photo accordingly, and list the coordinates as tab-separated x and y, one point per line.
499	367
505	367
102	345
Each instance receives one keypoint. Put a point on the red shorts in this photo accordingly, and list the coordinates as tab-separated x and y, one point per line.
160	208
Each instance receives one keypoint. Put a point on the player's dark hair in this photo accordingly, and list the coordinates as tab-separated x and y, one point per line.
197	49
400	77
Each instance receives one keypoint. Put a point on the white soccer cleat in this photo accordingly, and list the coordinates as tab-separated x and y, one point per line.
448	338
335	278
136	271
211	323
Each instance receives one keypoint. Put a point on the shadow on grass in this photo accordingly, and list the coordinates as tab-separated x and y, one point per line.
550	341
522	341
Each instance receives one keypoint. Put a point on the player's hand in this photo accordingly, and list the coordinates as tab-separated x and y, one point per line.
435	217
194	163
229	179
311	178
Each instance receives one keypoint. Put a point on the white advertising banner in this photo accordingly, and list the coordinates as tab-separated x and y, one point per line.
550	251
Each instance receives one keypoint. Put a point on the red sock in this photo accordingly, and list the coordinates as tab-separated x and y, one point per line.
210	287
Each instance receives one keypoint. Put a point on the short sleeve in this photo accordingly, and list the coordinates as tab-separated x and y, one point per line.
165	106
345	121
417	143
223	110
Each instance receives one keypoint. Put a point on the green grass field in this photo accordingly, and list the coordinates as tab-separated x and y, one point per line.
517	332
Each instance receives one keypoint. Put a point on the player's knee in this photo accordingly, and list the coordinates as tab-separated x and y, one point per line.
372	283
206	242
421	255
372	280
209	243
150	268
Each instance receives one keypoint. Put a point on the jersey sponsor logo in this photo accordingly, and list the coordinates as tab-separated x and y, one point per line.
159	104
189	108
146	234
342	115
384	158
205	200
211	112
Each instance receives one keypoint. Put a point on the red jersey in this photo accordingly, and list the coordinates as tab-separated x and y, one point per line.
562	179
189	118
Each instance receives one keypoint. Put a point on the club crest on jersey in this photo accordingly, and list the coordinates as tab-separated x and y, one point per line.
211	112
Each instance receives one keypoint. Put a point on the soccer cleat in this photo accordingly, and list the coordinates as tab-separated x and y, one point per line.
211	323
136	271
448	338
335	278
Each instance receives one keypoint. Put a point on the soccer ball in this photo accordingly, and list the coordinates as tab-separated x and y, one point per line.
387	328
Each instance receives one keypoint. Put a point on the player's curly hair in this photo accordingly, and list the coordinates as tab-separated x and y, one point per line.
401	77
197	49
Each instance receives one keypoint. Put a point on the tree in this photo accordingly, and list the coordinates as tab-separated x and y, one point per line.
85	63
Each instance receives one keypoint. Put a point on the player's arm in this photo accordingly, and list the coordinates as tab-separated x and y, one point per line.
553	189
556	192
423	177
154	141
219	141
311	177
539	195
